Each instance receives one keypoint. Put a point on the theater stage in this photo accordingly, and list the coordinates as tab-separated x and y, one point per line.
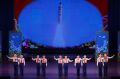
51	71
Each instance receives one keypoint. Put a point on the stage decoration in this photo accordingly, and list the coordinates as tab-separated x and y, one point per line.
15	42
102	42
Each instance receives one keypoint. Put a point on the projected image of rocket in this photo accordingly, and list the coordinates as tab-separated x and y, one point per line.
58	39
59	12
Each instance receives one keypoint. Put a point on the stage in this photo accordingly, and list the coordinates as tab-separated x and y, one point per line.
52	73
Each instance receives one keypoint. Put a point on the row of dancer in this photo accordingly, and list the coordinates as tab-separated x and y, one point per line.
102	64
78	62
19	63
102	61
40	62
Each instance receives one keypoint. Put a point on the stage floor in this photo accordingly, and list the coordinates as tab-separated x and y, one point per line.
51	71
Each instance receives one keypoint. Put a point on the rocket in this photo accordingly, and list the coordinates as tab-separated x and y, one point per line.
59	12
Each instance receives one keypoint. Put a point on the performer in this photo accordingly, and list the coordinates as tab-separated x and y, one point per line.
78	64
66	60
106	58
15	64
38	62
21	64
60	64
44	65
100	64
84	61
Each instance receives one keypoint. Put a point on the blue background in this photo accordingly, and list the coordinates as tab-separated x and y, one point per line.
38	21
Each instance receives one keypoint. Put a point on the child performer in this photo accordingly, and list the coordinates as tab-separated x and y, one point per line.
85	61
78	63
44	65
60	64
21	64
66	61
38	62
100	64
15	64
106	58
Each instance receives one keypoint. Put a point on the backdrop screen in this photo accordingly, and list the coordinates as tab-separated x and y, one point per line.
60	24
102	42
14	42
